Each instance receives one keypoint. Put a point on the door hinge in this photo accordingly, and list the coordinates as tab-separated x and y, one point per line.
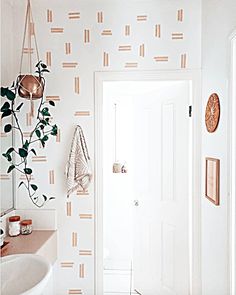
190	109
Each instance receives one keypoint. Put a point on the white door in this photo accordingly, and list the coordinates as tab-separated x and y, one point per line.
161	248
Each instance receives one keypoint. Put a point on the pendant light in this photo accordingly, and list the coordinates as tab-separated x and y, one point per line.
118	167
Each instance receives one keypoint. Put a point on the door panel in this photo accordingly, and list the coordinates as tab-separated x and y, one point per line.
161	250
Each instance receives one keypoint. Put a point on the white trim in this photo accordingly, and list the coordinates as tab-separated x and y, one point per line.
194	76
232	165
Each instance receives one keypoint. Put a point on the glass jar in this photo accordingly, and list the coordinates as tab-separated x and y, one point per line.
14	226
26	227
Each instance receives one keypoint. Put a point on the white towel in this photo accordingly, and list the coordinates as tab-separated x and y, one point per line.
78	171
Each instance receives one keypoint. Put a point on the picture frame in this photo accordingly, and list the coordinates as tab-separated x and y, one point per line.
212	181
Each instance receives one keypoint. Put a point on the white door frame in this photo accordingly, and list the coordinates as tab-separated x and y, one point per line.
195	210
232	164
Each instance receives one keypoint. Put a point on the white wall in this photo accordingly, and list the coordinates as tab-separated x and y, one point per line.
218	22
60	82
6	78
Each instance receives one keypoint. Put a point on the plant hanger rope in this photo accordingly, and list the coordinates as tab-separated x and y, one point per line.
31	32
29	86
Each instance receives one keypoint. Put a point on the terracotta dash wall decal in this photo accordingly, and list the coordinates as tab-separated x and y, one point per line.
124	48
49	58
23	177
158	31
85	216
141	50
53	97
39	159
141	18
49	16
5	177
180	15
75	292
67	264
69	64
177	36
74	239
51	177
26	134
105	59
82	113
82	193
28	119
77	85
32	32
85	252
57	30
161	58
81	270
131	65
58	136
106	33
100	17
68	48
68	208
183	61
3	134
127	30
86	36
28	50
74	15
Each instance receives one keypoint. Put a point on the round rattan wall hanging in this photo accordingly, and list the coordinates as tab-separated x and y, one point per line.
212	114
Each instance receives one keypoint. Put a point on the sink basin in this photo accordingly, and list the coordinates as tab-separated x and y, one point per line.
24	274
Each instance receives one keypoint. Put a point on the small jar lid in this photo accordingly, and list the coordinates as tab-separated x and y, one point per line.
14	218
26	222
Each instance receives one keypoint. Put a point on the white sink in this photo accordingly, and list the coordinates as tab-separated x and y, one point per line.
24	274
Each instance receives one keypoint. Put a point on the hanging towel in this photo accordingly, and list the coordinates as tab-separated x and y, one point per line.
78	171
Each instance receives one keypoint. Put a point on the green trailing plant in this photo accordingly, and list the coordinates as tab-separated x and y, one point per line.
43	129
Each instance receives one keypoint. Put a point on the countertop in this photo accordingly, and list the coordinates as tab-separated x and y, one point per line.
42	242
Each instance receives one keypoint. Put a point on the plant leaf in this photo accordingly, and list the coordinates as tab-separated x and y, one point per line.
23	152
38	64
52	198
43	66
52	103
45	138
33	151
10	168
45	70
34	187
3	91
9	158
28	171
5	106
19	106
20	183
45	198
38	133
45	112
6	113
54	130
7	128
43	143
26	145
10	150
10	95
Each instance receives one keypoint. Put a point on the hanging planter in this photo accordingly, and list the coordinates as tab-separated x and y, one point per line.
30	86
118	167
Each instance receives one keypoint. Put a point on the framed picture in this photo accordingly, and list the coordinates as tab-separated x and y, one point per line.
212	180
